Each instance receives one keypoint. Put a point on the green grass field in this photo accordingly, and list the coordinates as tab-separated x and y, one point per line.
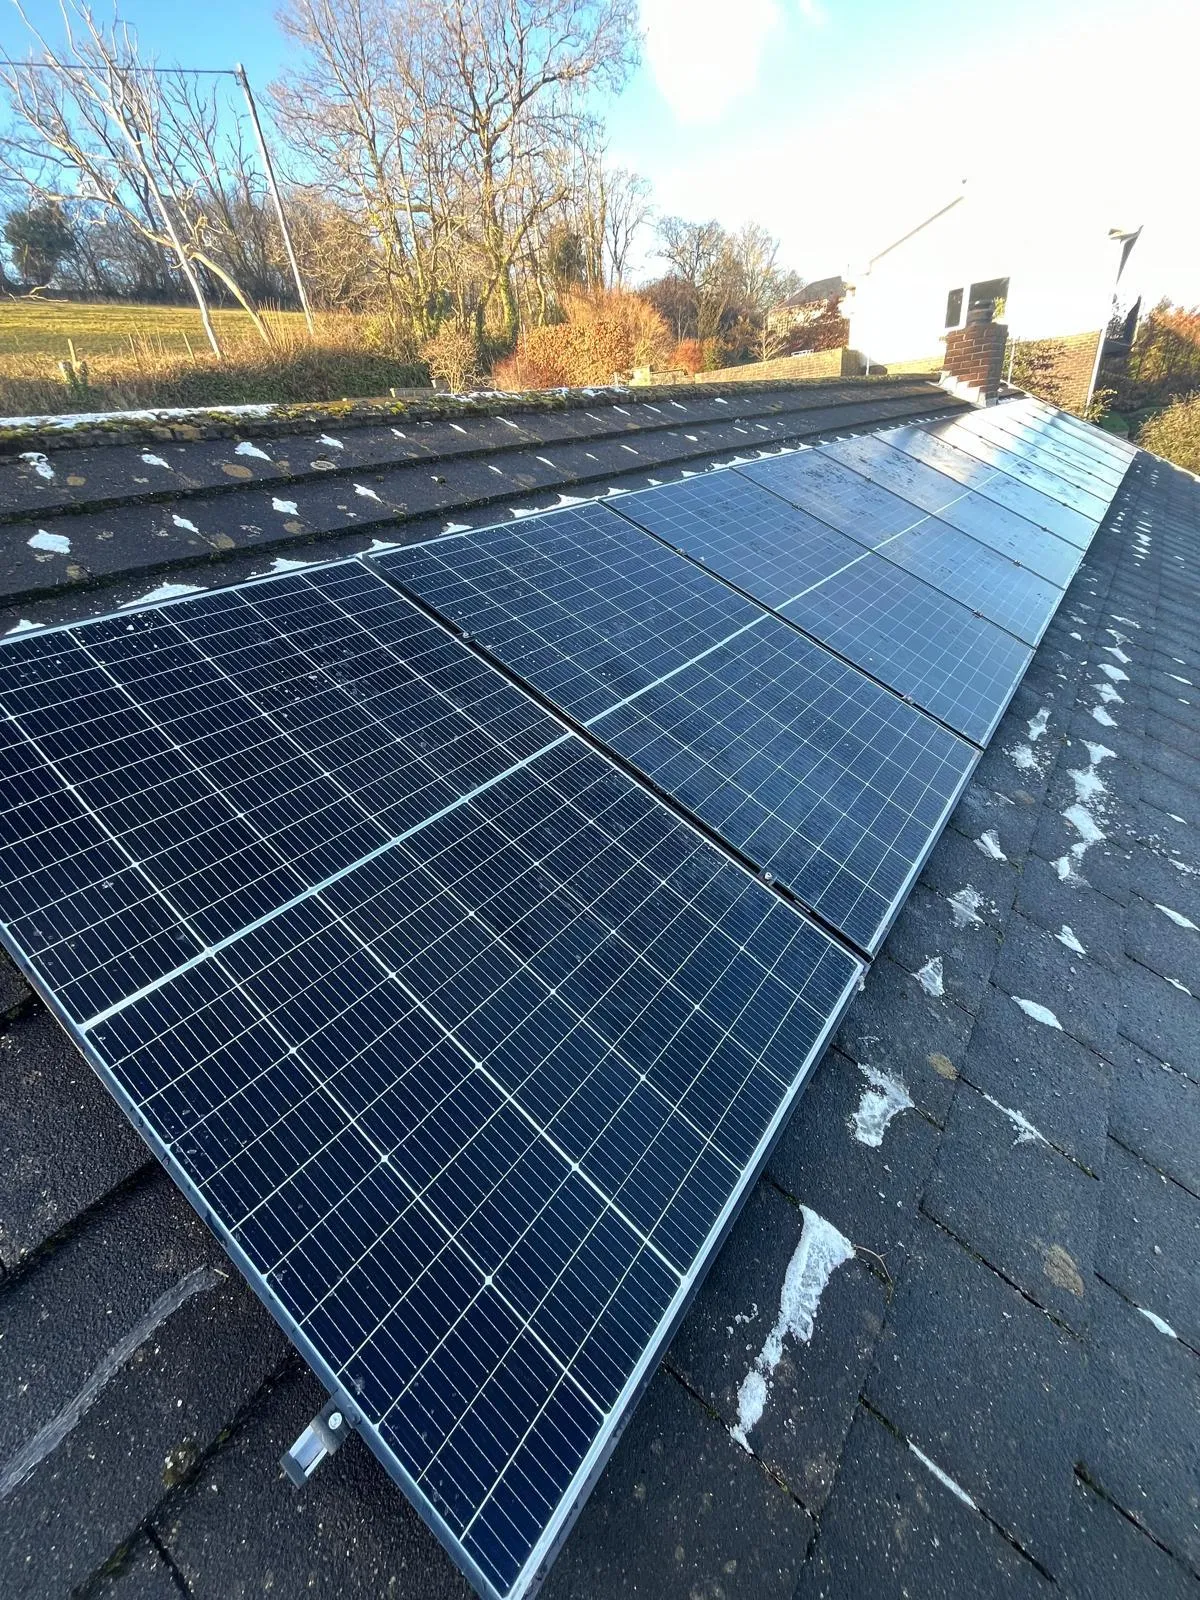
130	355
39	329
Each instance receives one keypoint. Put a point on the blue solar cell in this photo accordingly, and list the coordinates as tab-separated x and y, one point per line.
844	499
987	521
959	667
755	539
991	584
1019	463
802	764
1013	428
1062	427
477	1080
1035	503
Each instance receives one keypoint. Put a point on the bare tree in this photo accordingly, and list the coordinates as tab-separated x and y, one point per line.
702	258
763	281
92	126
510	79
627	210
455	130
357	111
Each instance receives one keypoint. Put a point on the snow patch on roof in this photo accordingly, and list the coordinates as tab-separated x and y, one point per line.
58	543
1158	1322
164	591
931	977
87	419
989	844
965	904
1177	917
1026	1132
883	1099
40	464
1038	1012
822	1249
943	1478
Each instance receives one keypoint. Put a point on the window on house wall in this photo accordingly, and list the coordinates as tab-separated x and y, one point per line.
992	293
954	302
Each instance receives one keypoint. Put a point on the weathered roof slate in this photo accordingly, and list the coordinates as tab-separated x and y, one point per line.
988	1402
78	517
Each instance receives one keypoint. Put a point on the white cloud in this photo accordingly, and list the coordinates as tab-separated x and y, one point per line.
705	54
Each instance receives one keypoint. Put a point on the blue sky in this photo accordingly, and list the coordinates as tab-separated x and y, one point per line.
840	123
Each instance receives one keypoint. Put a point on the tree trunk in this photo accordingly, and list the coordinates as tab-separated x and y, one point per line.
264	332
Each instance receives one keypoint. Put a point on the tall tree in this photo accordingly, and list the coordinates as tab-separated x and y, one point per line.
358	116
92	125
627	210
453	129
701	256
511	77
39	236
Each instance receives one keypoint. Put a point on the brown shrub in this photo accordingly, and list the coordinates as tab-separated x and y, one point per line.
540	361
1175	433
453	356
688	356
604	337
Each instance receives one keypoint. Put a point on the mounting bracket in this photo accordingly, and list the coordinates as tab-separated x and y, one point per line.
322	1438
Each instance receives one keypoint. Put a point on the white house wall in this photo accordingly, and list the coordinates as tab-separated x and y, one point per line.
1060	273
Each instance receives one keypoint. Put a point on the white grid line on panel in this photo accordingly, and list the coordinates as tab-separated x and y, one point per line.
521	551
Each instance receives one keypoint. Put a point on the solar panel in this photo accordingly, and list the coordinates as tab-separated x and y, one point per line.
464	1044
1031	442
804	766
1036	505
790	550
930	648
1098	470
845	500
986	520
1109	446
994	585
1022	467
754	538
925	645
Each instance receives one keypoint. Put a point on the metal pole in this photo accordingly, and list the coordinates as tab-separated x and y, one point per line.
152	184
239	73
1126	242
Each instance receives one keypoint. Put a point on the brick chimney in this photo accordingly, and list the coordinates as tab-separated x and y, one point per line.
975	357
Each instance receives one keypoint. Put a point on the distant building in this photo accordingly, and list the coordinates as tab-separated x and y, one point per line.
809	303
1048	277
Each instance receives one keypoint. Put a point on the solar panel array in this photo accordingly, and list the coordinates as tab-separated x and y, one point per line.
463	983
809	769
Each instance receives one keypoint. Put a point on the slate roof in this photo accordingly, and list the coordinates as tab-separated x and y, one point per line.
819	290
982	1407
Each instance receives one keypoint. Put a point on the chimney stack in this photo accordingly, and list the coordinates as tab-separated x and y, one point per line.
975	357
